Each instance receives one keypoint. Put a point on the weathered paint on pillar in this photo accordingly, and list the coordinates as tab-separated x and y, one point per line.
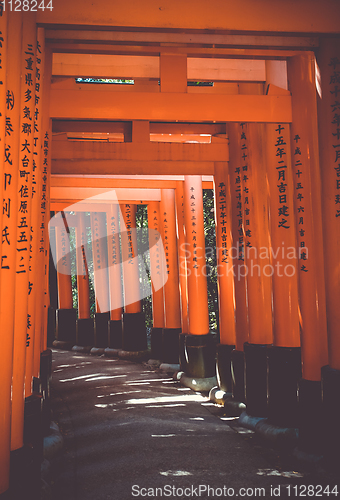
195	251
33	325
114	260
172	311
132	294
64	266
305	158
156	265
99	253
286	327
237	254
329	136
224	243
183	278
82	268
10	110
23	332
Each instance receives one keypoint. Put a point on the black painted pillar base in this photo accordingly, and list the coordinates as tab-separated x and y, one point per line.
33	435
45	377
101	329
157	343
134	332
66	325
223	367
51	326
284	373
115	334
255	357
25	476
170	342
200	352
237	374
310	417
182	353
330	386
85	332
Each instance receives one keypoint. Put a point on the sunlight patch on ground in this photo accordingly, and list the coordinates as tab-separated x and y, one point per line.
167	399
80	377
275	472
176	473
104	377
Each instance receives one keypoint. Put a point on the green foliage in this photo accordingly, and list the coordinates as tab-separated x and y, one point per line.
210	252
144	260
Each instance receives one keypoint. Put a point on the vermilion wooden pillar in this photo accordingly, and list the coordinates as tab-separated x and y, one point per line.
23	332
181	255
182	265
305	158
33	330
157	269
329	136
85	331
225	276
200	352
236	173
172	310
134	331
66	315
101	279
255	209
115	277
10	87
284	358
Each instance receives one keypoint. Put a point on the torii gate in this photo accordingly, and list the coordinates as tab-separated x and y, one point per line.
274	160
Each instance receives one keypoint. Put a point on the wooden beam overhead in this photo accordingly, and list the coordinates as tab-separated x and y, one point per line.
305	16
268	52
83	104
101	195
155	38
130	181
146	151
120	127
127	167
131	67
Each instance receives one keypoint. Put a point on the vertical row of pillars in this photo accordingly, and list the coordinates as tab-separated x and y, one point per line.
25	361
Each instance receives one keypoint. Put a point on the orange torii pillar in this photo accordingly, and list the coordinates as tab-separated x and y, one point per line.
134	331
236	173
199	346
284	358
225	276
101	281
85	326
157	279
26	411
255	201
307	182
172	309
115	278
329	136
10	109
66	315
182	265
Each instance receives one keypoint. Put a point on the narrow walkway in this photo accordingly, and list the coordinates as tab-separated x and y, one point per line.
127	427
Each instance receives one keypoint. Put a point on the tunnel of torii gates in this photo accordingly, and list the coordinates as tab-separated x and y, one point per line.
265	135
